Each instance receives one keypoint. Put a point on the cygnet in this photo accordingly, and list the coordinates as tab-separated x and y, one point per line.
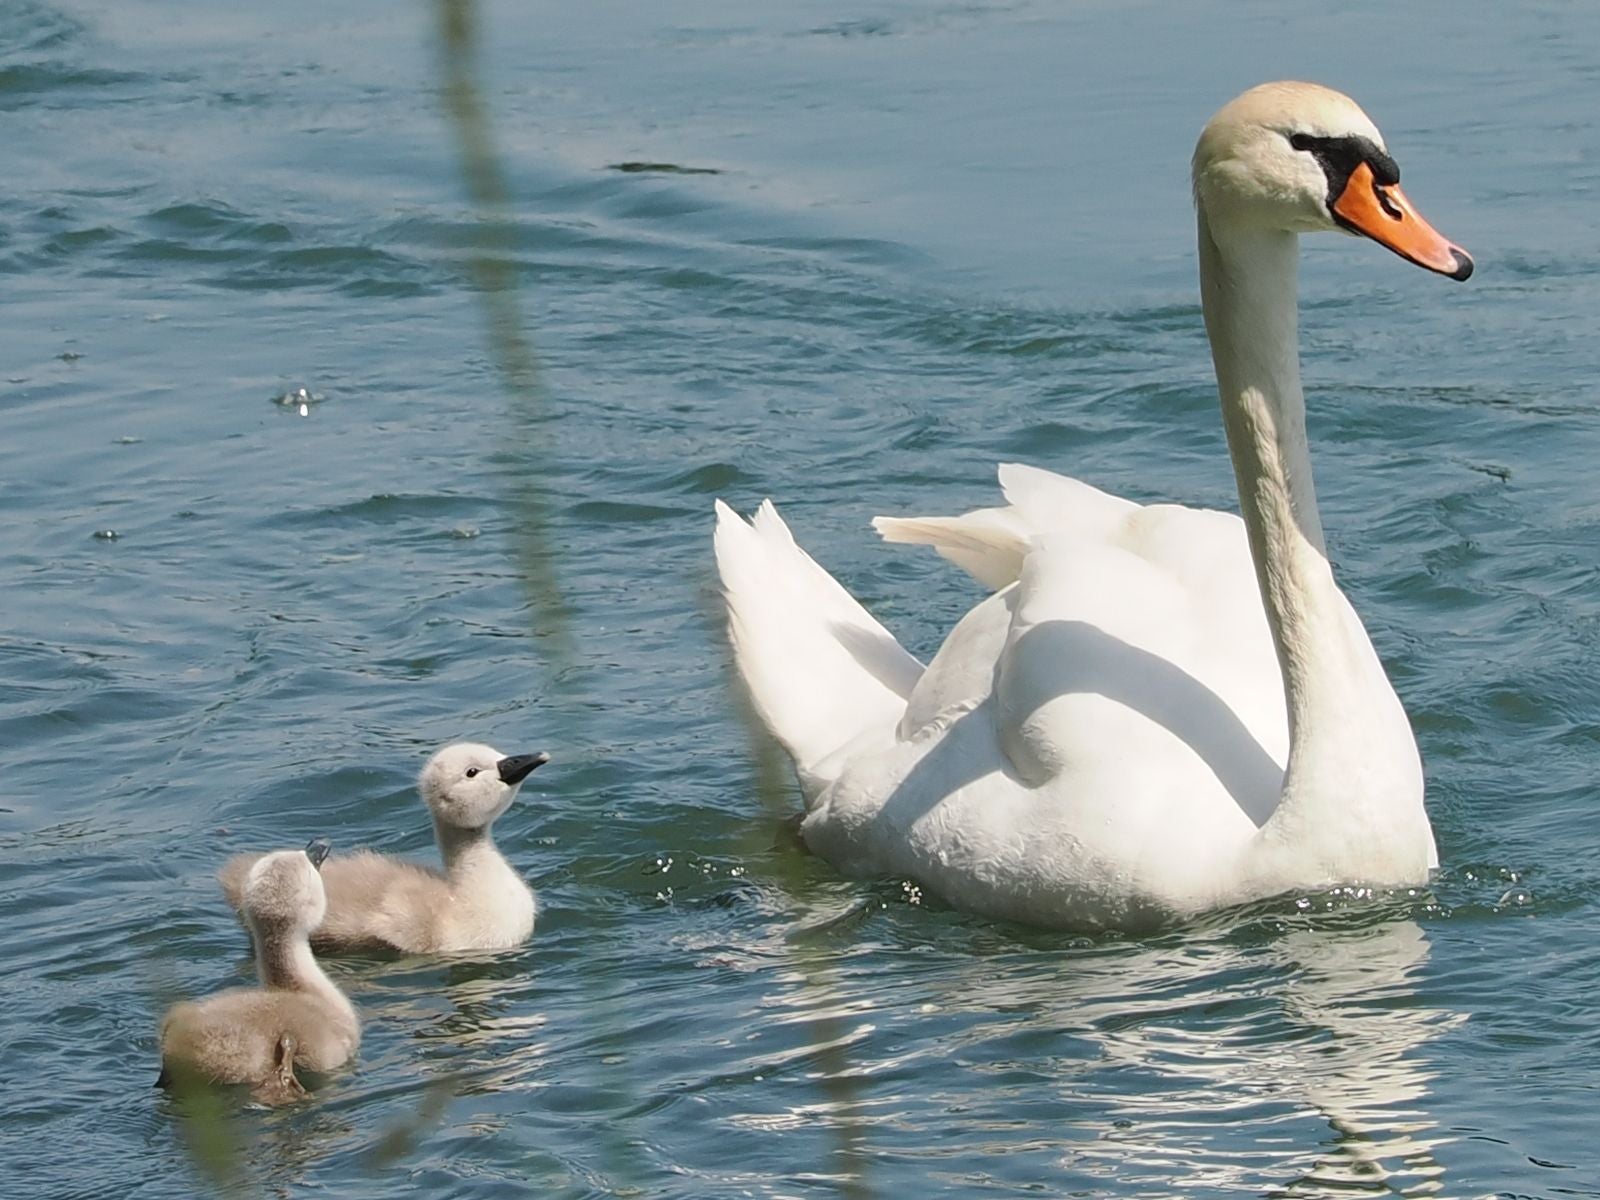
297	1017
478	902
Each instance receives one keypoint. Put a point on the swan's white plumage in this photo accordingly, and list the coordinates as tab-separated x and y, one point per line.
1107	739
997	787
821	669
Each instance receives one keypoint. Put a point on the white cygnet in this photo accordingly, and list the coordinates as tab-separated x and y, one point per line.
297	1017
478	902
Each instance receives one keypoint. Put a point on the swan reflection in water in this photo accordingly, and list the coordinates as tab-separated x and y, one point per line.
1281	1056
1322	1062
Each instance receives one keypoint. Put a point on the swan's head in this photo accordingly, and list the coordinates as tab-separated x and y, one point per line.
467	785
1304	159
284	889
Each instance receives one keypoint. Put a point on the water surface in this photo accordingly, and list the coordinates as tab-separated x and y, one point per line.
902	243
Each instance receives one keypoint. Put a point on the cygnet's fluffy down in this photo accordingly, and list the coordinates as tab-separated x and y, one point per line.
478	902
297	1017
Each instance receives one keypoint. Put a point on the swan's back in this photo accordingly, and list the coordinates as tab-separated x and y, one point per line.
234	1036
298	1016
379	902
375	902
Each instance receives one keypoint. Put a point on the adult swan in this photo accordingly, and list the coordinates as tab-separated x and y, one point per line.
1161	710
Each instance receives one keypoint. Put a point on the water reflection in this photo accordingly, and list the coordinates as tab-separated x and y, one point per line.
479	1030
1364	1077
468	1029
1288	1063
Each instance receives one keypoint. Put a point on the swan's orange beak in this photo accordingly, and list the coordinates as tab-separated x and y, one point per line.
1382	213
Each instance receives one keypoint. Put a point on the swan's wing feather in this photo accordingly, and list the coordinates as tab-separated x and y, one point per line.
1152	637
820	670
1049	503
1168	582
1228	646
820	594
1075	659
988	544
962	674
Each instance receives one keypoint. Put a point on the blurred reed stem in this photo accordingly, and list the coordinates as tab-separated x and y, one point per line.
493	273
492	270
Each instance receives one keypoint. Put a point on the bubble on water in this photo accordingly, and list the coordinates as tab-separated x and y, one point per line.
106	535
464	532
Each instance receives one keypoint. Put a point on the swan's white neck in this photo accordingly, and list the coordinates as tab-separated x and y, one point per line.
1248	293
486	888
473	863
284	963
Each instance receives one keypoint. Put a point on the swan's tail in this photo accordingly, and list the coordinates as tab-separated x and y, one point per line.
820	670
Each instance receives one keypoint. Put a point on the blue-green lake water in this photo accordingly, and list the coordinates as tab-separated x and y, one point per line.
918	239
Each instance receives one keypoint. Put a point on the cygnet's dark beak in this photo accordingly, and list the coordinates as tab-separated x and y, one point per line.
317	850
515	769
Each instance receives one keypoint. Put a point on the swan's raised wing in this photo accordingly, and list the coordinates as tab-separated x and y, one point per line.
820	670
990	544
1121	626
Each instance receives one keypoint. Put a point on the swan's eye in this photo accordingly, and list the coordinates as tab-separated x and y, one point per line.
471	771
1301	141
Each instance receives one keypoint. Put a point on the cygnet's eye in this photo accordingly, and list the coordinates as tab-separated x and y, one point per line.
471	771
1301	141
